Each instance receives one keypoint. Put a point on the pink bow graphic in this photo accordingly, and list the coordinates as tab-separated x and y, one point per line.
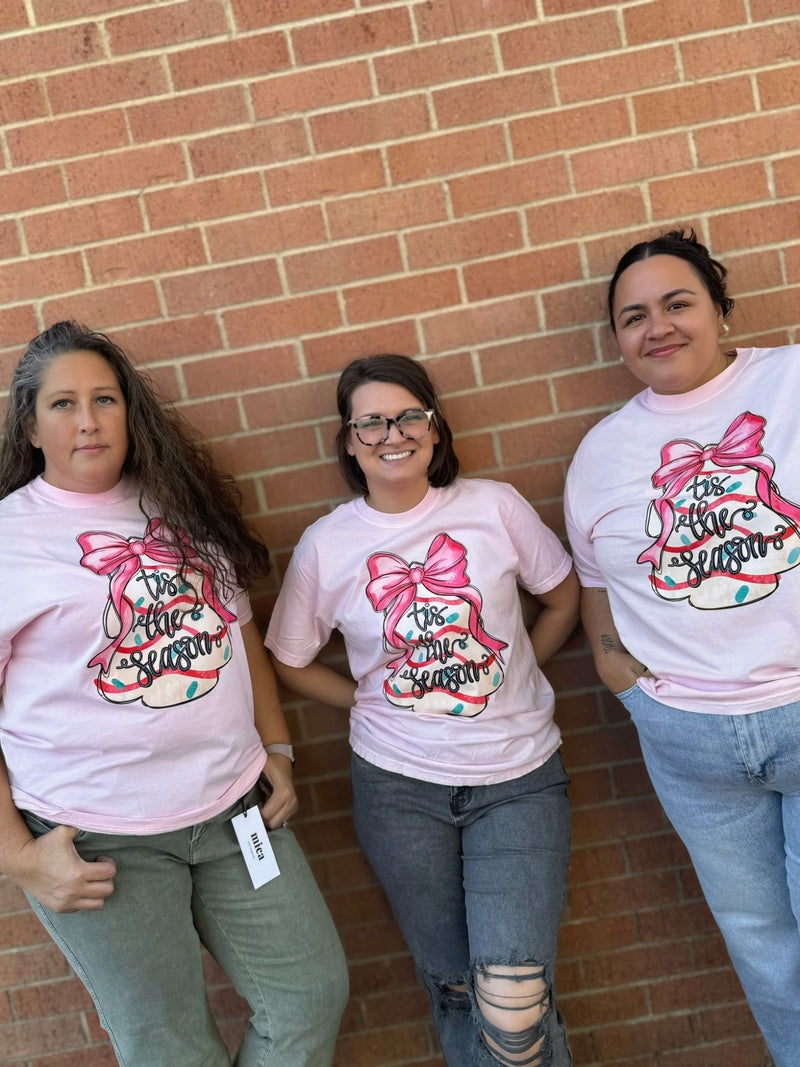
107	553
394	582
683	459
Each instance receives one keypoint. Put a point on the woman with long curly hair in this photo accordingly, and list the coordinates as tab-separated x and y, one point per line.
137	705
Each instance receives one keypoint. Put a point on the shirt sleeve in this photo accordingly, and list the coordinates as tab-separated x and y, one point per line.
579	534
543	561
297	630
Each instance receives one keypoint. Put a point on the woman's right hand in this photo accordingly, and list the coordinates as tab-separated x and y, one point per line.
620	670
50	869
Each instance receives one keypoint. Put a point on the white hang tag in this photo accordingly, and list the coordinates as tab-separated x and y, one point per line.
255	845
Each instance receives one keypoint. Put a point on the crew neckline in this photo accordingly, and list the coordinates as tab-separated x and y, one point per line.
703	393
66	498
394	519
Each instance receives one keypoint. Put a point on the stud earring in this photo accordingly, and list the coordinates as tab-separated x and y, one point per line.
724	329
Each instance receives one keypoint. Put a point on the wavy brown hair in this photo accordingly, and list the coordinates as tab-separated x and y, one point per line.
176	475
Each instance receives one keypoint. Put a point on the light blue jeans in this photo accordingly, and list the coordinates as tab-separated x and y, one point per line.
140	954
730	785
476	877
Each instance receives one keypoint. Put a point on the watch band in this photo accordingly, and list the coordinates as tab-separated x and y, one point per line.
280	750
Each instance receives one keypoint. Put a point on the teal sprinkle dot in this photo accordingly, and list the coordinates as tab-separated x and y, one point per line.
117	683
184	588
226	653
190	692
496	679
139	602
685	540
680	503
453	617
669	581
741	594
735	486
396	690
457	709
138	639
794	554
409	634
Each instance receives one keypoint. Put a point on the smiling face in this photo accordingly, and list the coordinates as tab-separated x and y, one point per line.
667	325
396	471
80	423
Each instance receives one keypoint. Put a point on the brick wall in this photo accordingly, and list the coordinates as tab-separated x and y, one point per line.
249	193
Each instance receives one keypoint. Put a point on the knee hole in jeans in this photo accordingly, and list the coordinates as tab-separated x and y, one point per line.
513	1002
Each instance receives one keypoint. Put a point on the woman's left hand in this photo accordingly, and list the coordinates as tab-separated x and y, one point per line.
281	802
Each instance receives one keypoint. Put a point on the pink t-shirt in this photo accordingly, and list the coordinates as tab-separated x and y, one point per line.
427	601
687	509
126	698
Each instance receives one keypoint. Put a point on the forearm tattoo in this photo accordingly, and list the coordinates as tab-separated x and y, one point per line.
608	643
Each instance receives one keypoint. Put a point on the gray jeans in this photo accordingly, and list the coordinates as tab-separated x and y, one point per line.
140	954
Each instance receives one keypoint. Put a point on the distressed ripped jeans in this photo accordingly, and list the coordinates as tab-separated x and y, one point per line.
730	785
476	877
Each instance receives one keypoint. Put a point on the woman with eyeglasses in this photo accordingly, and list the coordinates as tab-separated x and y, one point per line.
459	792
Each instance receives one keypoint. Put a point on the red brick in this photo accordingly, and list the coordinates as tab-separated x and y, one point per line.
219	417
568	127
306	90
749	229
491	406
42	1035
596	935
62	10
684	920
645	23
13	16
591	388
342	263
328	176
186	20
408	295
69	227
756	136
277	319
51	998
462	241
630	71
106	307
373	31
599	1008
778	88
631	161
775	311
492	98
370	124
41	963
146	256
399	1044
386	212
658	889
250	147
555	437
658	851
551	40
691	105
535	356
742	49
221	286
231	60
22	101
274	231
261	451
515	185
712	189
428	65
111	83
452	20
578	215
614	1043
522	273
238	371
692	992
190	113
10	247
79	135
333	351
253	14
446	153
270	408
130	168
306	485
29	279
589	864
43	50
475	324
214	198
31	189
171	338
